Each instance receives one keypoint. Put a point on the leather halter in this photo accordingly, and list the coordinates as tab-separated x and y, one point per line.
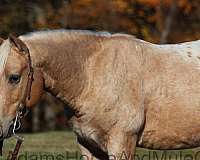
21	109
27	94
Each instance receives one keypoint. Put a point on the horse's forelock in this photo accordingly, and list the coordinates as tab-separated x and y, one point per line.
5	49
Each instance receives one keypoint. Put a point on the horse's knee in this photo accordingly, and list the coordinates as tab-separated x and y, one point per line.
121	145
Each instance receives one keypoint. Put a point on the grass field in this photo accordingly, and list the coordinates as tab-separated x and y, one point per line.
62	145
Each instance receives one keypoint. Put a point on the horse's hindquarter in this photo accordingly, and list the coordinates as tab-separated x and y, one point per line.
172	102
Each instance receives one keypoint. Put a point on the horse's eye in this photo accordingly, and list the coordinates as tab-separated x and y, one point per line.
14	78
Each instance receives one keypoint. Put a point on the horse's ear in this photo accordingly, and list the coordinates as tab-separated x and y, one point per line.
36	88
18	43
1	40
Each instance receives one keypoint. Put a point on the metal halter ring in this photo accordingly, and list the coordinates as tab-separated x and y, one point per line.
15	127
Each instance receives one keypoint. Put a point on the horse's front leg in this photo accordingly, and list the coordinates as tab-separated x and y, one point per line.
122	145
85	154
123	136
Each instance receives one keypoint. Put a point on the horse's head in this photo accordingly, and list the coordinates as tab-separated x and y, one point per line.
15	67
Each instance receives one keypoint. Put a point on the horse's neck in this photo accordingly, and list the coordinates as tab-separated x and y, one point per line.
62	64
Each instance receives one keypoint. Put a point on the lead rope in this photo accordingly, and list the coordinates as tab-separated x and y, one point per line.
13	154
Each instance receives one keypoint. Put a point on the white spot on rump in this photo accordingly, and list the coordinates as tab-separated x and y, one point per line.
183	49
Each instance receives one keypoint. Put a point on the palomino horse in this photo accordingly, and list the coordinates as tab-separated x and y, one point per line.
122	91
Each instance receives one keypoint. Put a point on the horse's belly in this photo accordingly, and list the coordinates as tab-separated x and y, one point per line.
171	127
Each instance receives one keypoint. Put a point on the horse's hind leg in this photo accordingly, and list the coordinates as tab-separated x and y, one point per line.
122	146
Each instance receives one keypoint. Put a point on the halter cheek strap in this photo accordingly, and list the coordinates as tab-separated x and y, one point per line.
21	109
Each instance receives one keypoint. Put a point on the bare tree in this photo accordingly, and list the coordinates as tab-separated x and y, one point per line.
168	22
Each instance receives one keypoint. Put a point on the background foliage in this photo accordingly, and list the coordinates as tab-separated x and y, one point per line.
152	20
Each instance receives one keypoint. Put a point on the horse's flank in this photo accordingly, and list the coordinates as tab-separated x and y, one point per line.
117	81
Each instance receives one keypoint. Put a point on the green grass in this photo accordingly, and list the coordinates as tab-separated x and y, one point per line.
57	144
51	143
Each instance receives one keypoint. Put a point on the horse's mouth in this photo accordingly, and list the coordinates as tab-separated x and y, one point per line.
12	129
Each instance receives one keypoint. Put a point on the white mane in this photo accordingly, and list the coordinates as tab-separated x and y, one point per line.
192	47
5	49
63	32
